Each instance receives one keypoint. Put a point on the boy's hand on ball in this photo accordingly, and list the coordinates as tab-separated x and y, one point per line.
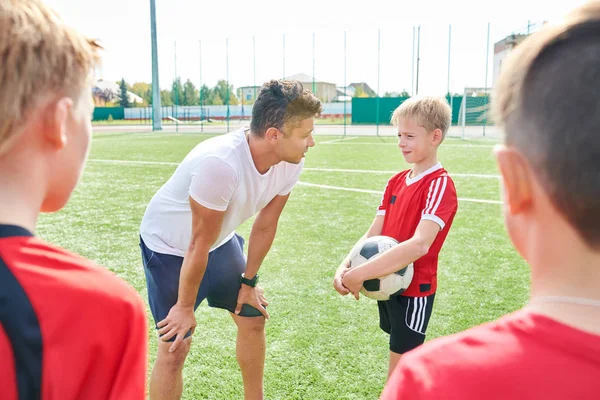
339	286
352	282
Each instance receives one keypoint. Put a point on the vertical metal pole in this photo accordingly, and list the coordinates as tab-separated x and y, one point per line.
412	77
201	98
418	58
156	114
176	93
345	87
227	76
487	60
378	74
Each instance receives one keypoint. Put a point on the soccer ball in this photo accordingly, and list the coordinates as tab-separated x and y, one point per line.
386	286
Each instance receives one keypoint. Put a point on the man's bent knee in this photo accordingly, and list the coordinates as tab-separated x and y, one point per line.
250	325
175	360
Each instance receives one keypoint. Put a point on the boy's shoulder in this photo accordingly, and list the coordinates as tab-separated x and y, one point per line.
425	179
43	269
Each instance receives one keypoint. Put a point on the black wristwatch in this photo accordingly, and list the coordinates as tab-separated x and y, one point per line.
250	282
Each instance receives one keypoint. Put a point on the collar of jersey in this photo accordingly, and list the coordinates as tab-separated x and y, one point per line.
7	231
410	181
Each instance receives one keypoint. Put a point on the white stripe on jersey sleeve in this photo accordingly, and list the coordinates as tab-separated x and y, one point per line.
440	195
435	185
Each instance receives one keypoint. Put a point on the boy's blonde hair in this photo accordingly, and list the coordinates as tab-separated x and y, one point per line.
39	57
430	112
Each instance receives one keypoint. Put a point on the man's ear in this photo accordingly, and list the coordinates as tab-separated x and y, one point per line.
54	127
517	179
273	134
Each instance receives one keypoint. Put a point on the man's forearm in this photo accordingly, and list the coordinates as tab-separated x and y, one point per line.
192	272
259	245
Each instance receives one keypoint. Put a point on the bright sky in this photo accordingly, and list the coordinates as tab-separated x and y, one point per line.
123	26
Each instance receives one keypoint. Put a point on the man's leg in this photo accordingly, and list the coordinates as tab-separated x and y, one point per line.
162	280
250	352
166	381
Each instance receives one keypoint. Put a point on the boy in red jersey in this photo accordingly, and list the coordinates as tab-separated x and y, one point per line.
547	100
68	328
417	209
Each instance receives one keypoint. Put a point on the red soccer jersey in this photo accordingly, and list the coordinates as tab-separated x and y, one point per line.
520	356
68	328
406	201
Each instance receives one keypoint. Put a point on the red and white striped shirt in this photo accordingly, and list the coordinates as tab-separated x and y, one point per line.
406	201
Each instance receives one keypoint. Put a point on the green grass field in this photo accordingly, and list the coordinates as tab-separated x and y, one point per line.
319	345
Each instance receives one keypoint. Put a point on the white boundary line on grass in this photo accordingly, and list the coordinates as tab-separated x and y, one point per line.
338	140
483	146
380	193
136	162
358	171
369	171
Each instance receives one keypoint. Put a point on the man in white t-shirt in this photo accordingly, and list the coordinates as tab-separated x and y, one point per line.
189	246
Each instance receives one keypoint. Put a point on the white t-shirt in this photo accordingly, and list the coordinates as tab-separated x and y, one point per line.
219	174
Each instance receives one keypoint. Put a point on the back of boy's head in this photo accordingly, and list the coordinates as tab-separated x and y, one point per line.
430	112
548	101
39	57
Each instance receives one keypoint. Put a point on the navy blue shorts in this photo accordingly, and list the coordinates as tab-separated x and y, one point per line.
406	320
220	284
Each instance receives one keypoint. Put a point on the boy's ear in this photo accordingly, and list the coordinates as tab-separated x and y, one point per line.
55	123
516	179
437	136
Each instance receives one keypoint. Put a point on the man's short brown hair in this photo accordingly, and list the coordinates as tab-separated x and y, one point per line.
282	103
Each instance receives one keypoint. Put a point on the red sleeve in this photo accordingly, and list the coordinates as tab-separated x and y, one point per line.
441	202
130	377
385	199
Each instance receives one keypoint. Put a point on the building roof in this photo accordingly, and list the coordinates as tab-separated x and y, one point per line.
104	84
366	88
304	78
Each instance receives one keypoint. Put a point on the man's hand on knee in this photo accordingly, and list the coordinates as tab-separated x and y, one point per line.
253	296
178	323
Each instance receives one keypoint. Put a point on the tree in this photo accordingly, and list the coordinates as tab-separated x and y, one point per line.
207	95
221	90
144	90
166	98
176	92
106	95
404	93
190	94
217	100
123	95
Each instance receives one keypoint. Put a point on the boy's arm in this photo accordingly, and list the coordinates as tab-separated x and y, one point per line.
374	230
394	259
